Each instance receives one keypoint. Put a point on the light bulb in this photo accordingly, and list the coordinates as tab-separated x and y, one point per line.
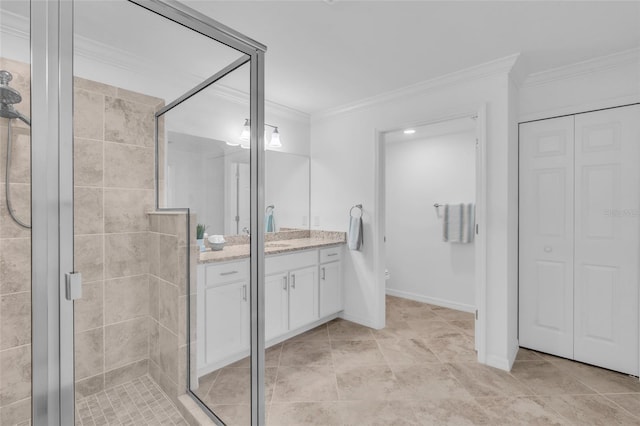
275	139
245	135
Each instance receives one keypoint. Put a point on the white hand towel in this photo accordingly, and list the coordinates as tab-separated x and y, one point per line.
458	223
355	233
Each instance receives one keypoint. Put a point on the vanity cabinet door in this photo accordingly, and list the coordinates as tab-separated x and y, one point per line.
330	289
303	297
227	320
276	305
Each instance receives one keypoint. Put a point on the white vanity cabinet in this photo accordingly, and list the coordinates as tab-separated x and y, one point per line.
224	309
276	305
291	292
302	289
303	296
330	281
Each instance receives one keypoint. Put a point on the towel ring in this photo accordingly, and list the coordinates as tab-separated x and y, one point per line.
357	206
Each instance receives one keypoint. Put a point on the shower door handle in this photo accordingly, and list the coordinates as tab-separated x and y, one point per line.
73	286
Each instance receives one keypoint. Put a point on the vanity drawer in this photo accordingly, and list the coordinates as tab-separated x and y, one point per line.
227	272
289	261
330	254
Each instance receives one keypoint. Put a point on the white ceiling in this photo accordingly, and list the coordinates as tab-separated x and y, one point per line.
324	54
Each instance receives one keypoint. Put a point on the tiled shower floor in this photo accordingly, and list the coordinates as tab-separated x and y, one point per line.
138	402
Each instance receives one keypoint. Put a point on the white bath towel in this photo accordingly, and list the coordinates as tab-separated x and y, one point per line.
458	224
355	233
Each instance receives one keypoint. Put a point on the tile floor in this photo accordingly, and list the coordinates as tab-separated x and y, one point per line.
420	370
138	402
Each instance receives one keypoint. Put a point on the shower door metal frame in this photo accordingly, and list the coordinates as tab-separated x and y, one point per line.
52	34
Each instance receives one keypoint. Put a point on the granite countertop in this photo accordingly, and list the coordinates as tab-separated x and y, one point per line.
241	251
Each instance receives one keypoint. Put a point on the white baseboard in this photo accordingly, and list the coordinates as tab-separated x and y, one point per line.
513	353
498	362
431	300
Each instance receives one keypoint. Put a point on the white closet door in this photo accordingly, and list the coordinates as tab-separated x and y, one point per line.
607	162
546	236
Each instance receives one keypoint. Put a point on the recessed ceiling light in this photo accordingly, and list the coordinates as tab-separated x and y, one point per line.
409	131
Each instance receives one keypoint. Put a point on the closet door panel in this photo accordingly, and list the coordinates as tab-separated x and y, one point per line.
607	165
546	236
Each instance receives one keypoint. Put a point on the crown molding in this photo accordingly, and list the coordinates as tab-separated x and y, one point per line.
14	24
498	66
99	53
599	64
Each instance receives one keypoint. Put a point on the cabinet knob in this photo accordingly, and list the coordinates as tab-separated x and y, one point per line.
293	281
284	283
324	273
548	249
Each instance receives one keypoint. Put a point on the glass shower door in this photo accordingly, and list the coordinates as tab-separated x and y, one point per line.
153	111
15	214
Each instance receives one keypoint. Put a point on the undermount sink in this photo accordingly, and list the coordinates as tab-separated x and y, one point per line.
277	245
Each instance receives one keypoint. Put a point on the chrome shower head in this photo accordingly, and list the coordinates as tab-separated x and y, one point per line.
8	95
8	111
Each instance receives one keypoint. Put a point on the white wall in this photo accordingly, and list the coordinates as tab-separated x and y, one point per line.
418	174
343	173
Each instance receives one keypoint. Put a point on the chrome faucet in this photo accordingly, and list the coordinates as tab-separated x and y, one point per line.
246	231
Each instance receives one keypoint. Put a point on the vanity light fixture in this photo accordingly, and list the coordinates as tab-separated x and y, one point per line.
245	136
409	131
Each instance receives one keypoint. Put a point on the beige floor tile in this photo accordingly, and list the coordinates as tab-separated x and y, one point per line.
590	410
523	411
429	329
232	386
545	378
628	401
453	315
453	348
481	380
345	330
528	355
393	301
319	333
382	413
272	356
304	413
205	383
395	330
468	327
413	314
352	353
428	381
406	351
451	412
305	383
599	379
234	414
310	352
374	382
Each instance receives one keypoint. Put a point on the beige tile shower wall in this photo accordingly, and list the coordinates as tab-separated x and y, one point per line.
114	191
168	299
15	261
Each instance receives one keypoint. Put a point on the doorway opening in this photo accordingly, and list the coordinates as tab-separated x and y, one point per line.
431	269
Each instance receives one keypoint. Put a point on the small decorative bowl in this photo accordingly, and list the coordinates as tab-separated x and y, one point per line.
216	246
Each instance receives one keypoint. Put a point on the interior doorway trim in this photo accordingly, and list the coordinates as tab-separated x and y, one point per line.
379	250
